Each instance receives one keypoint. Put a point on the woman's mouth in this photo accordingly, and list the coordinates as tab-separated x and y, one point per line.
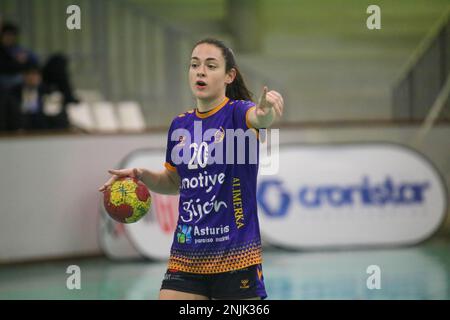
200	84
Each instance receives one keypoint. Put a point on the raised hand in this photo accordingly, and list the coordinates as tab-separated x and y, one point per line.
270	100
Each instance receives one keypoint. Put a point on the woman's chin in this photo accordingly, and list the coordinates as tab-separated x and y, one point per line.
202	95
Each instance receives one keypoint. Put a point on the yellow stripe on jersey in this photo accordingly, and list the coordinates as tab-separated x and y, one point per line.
170	167
212	111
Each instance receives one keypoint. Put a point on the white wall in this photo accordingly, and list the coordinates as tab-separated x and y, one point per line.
48	188
48	191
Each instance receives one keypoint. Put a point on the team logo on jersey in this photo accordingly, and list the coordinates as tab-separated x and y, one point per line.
184	234
219	135
244	284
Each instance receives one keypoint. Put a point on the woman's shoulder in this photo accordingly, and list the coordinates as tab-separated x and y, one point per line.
181	118
186	113
240	107
241	103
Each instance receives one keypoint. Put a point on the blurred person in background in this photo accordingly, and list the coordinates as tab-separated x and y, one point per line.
55	76
13	57
23	86
10	117
27	100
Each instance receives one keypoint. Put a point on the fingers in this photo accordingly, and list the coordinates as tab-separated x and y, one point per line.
116	175
120	173
279	104
277	94
108	183
277	107
276	101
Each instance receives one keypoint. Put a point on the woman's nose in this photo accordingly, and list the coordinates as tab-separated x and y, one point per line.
201	71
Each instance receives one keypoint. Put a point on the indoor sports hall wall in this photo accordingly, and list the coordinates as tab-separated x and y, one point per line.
49	198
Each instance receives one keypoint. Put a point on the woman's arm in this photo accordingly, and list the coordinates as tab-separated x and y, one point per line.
165	182
270	103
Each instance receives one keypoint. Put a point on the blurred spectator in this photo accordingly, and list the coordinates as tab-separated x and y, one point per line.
13	57
10	117
55	75
27	99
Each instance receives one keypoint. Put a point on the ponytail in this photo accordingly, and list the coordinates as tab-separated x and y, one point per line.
237	90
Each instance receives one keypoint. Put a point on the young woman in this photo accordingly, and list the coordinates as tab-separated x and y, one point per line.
216	250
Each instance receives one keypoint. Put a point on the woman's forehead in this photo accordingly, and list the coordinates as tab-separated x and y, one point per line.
205	50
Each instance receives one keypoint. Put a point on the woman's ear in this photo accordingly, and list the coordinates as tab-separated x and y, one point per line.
231	75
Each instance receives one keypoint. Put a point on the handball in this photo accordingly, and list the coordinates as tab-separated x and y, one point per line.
127	200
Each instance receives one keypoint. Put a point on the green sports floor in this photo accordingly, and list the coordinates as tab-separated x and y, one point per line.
417	272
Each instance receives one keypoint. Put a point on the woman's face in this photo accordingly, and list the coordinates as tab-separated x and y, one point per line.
207	76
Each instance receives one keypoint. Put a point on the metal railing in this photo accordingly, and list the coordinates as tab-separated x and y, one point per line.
424	74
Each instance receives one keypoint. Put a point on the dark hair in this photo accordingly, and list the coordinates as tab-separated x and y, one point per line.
237	90
30	67
9	27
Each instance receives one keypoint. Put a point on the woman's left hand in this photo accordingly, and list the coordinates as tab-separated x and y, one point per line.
270	100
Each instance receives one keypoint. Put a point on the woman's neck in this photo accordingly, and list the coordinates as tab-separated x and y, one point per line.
204	105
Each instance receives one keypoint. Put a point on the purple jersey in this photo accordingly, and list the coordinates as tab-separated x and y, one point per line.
218	229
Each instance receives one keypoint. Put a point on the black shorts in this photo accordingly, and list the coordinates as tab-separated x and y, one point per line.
244	283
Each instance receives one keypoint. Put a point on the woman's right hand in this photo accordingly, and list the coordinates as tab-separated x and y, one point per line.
134	173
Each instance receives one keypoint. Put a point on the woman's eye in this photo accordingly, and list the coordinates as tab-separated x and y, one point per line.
193	65
212	66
